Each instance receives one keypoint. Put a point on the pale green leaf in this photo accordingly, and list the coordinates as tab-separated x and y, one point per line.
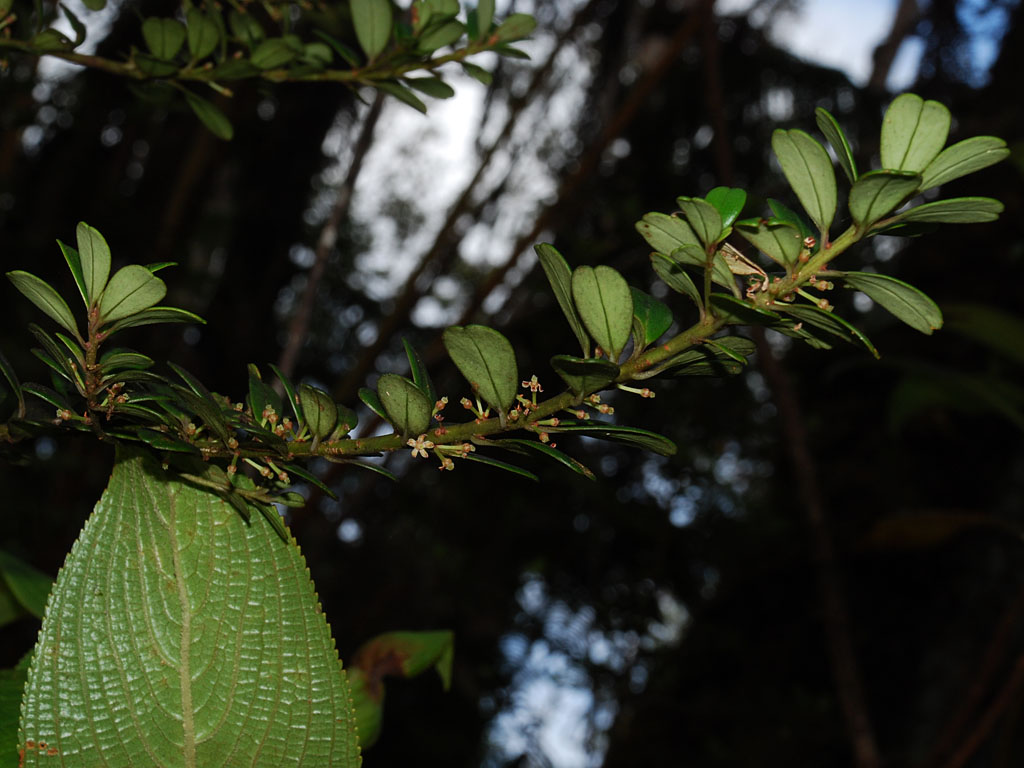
132	289
703	217
808	169
830	128
74	262
318	410
560	277
666	233
183	636
484	16
203	34
407	408
962	158
956	210
605	305
487	361
371	401
913	132
372	21
438	37
516	27
779	240
878	193
675	277
905	301
272	53
40	293
155	315
95	257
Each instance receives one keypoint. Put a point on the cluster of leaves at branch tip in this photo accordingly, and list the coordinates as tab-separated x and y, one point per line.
207	44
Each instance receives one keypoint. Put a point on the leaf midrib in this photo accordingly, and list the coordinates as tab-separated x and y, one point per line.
184	666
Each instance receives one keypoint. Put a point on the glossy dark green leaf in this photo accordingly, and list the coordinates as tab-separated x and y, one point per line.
728	201
131	289
913	132
45	298
59	366
418	370
780	241
830	128
560	277
74	263
695	256
878	193
319	411
297	470
520	445
653	316
956	210
115	359
154	316
401	93
808	169
639	438
487	361
164	37
210	115
432	86
406	406
605	305
666	233
371	401
962	158
704	360
372	22
210	408
515	27
703	217
272	54
346	53
28	584
828	322
347	421
46	394
585	375
502	465
905	301
675	277
203	34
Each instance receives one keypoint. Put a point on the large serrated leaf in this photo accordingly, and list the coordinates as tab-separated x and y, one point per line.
605	305
830	128
905	301
913	132
808	169
180	635
372	21
487	361
962	158
560	277
877	193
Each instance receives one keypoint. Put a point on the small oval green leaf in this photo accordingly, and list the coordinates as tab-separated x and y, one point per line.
560	277
830	128
878	193
956	210
780	241
905	301
516	27
913	132
203	34
272	53
372	21
408	409
605	305
210	116
487	361
962	158
132	289
728	201
95	257
675	277
653	316
703	217
666	233
45	297
808	169
319	410
164	37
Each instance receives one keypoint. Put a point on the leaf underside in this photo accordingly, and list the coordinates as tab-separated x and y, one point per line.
179	635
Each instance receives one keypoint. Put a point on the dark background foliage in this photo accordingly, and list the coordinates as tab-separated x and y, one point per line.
680	598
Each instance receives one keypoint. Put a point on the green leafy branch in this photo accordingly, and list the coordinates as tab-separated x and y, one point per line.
217	45
621	330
